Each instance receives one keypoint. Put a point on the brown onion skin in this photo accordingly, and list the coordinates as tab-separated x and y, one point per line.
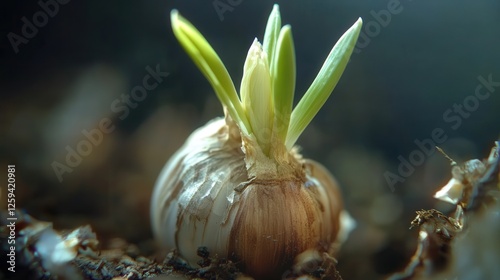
278	220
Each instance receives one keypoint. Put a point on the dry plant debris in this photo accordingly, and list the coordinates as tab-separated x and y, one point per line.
44	253
474	189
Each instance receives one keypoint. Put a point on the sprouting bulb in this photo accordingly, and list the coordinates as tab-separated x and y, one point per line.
238	186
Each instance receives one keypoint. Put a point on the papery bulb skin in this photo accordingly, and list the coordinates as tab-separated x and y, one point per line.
278	220
193	200
213	193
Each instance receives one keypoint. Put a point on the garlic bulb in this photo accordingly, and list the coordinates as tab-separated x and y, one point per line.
238	186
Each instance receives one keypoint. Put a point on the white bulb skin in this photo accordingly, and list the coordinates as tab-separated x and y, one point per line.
204	197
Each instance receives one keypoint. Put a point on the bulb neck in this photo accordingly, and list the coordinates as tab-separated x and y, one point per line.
281	164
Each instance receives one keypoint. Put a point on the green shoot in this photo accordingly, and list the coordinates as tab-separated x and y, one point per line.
271	34
211	66
256	95
268	83
284	75
323	84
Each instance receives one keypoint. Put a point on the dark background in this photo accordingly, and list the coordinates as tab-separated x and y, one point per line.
393	92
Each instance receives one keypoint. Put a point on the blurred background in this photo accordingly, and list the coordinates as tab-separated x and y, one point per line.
86	153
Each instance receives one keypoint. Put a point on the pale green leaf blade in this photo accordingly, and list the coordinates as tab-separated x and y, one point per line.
209	63
256	95
271	34
284	82
323	84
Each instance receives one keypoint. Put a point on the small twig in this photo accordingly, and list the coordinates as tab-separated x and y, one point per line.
453	163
